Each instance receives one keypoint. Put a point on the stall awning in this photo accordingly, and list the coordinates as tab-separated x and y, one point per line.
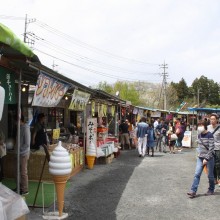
12	47
204	109
9	38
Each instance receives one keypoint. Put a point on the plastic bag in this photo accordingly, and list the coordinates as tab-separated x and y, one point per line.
13	205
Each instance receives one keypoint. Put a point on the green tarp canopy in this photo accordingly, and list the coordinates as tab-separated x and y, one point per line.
9	38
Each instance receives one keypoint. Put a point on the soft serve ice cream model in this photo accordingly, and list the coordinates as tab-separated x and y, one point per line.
91	155
60	168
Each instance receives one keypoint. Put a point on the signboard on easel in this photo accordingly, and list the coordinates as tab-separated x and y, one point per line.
187	139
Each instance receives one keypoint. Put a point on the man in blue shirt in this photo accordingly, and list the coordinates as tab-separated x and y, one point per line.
142	136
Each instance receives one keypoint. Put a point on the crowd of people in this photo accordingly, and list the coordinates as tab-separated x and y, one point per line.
148	137
161	135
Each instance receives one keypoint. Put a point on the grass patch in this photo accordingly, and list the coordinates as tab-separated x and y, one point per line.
48	192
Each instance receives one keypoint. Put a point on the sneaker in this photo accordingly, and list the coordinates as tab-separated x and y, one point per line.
24	193
191	194
140	155
209	193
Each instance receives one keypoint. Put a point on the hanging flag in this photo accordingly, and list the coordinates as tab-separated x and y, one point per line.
93	108
49	91
7	81
113	110
181	106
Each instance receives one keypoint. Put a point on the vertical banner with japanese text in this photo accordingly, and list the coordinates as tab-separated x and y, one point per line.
7	81
49	91
91	131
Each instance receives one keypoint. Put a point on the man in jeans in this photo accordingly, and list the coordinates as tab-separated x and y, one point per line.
25	139
123	128
142	136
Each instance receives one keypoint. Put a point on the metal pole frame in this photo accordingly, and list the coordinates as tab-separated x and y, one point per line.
18	132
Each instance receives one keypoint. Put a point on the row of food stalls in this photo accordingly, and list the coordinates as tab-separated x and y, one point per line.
70	108
32	88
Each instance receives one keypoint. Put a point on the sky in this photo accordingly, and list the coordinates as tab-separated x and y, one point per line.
108	40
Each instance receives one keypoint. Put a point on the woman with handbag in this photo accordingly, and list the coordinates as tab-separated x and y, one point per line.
205	158
171	137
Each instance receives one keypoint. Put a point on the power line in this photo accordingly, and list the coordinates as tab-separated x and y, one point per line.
87	46
88	60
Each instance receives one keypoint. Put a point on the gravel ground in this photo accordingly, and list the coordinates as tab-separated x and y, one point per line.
139	188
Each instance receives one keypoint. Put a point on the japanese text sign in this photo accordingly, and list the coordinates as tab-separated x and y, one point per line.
91	131
79	100
49	91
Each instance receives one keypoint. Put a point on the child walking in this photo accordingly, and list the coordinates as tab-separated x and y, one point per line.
150	140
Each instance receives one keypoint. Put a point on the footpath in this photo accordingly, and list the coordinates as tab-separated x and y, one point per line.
148	188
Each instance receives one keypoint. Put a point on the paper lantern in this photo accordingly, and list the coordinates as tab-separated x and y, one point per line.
2	99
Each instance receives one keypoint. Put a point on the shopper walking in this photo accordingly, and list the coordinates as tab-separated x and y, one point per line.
171	139
150	140
180	130
205	158
142	136
214	128
123	129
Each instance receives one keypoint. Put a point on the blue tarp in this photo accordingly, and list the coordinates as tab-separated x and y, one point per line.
204	109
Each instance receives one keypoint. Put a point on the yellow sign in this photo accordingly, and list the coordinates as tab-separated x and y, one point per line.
56	133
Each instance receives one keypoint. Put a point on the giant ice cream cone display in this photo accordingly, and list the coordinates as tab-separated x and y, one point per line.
2	99
60	168
90	155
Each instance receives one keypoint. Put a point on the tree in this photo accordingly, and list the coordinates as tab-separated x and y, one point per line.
127	91
206	90
105	87
182	90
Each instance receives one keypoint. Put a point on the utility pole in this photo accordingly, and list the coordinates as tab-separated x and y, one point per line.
27	21
164	84
54	65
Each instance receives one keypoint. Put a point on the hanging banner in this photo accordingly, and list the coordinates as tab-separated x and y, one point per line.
135	111
113	110
99	110
93	108
49	91
91	132
79	100
181	106
7	81
156	114
105	108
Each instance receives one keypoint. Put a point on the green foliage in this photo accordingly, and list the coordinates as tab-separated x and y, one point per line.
207	90
126	90
181	89
104	86
145	94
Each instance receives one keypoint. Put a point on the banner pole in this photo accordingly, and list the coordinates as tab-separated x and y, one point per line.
18	132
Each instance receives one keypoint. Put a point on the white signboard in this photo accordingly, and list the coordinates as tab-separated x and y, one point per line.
2	99
156	114
187	139
49	91
91	131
